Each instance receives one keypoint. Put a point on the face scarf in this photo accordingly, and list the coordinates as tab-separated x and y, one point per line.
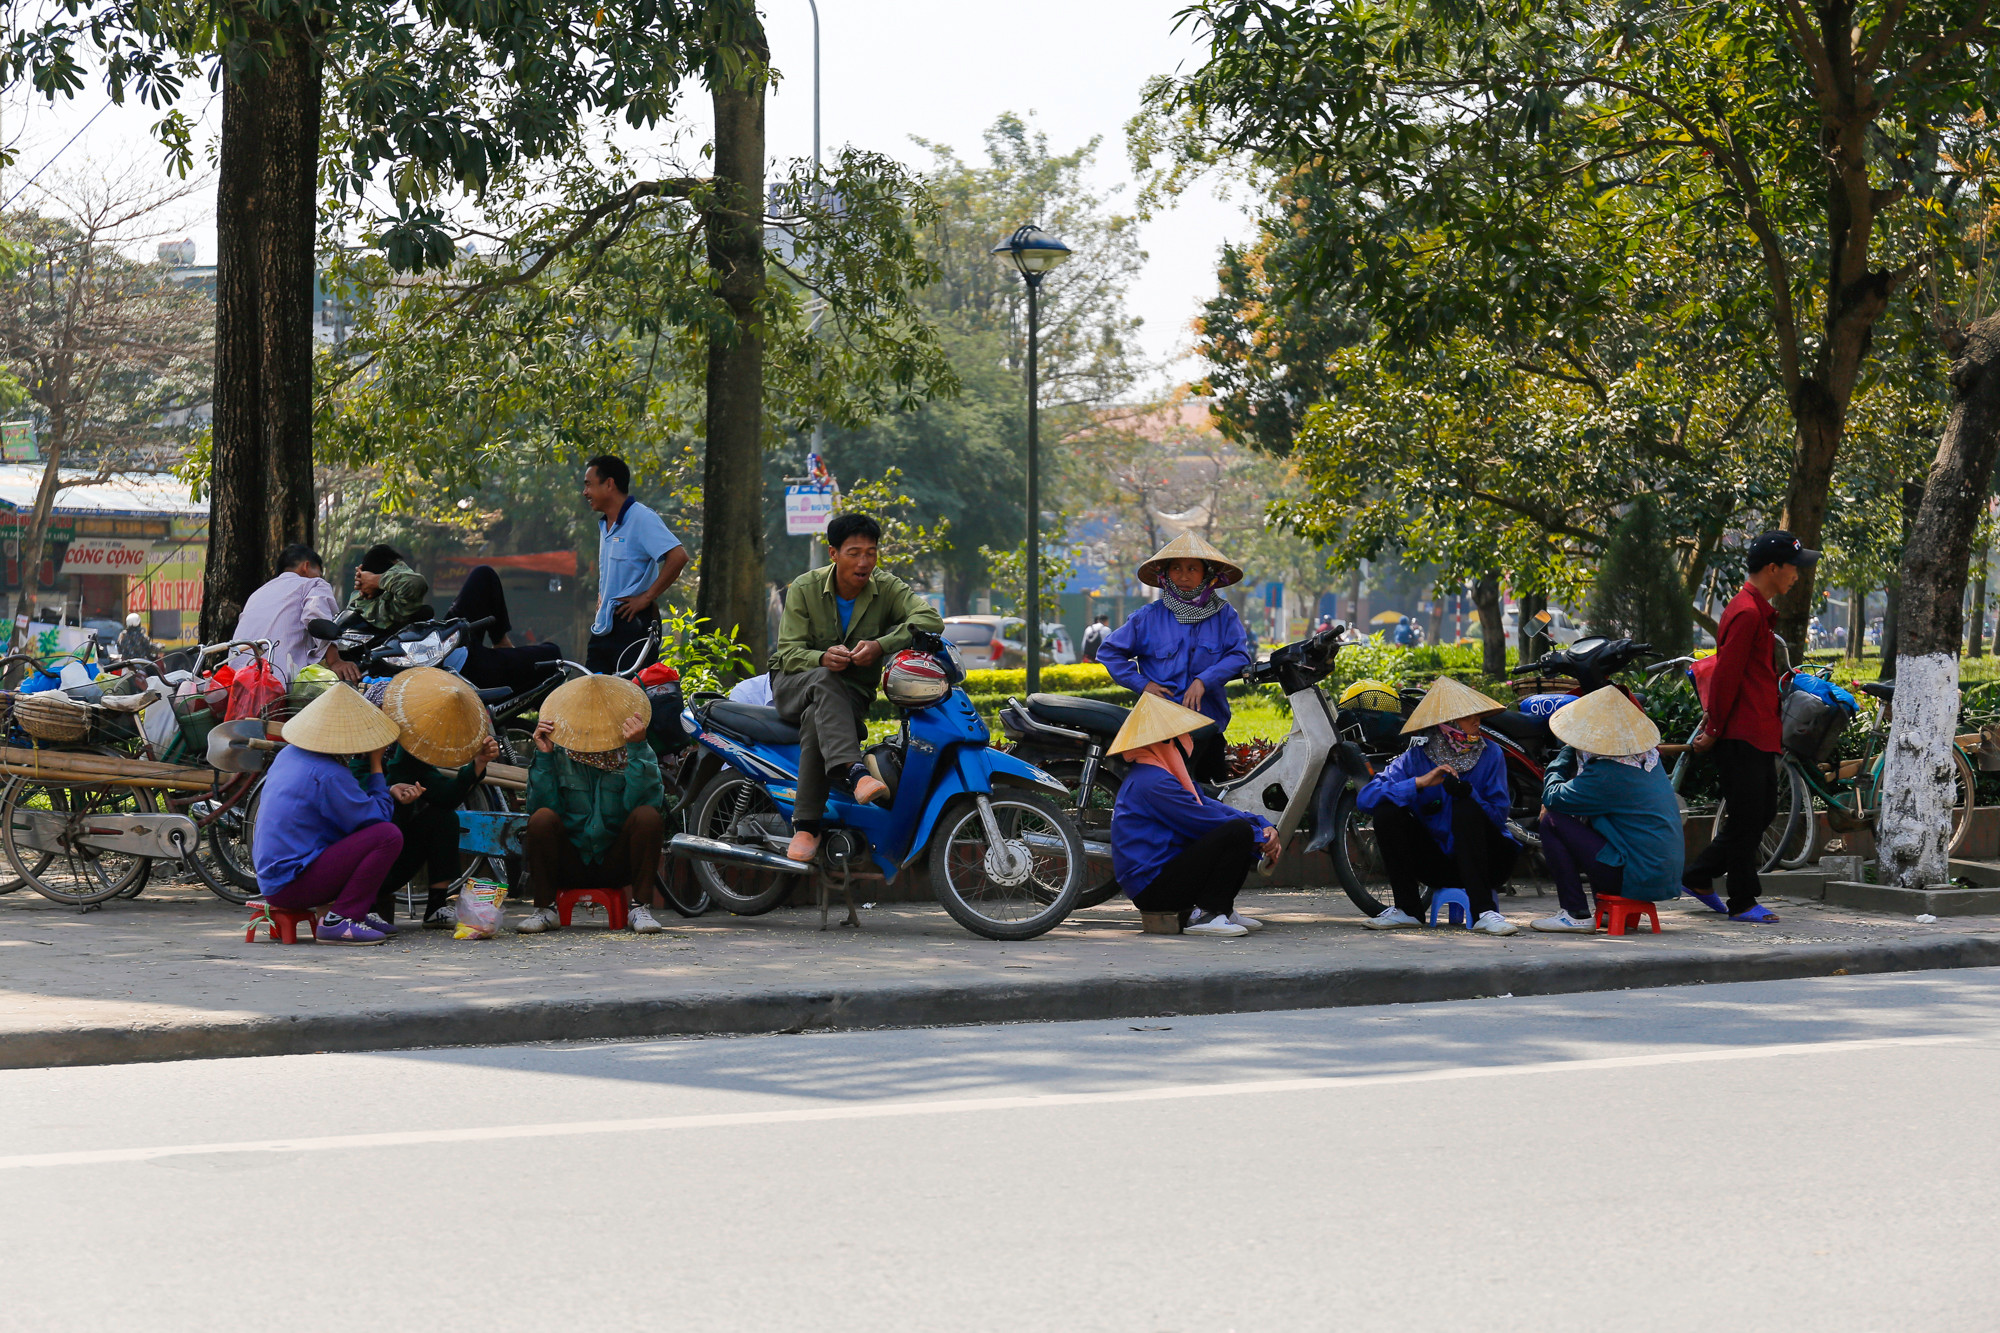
1191	608
604	761
1448	747
1645	763
1167	755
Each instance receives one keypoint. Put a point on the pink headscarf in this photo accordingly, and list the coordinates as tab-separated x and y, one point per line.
1165	754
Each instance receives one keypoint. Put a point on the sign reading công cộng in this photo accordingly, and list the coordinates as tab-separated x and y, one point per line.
106	555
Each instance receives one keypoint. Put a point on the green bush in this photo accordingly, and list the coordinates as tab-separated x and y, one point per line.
1055	680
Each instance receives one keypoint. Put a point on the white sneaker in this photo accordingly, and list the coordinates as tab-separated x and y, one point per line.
1562	923
1249	923
1393	919
539	920
641	920
1219	926
1492	923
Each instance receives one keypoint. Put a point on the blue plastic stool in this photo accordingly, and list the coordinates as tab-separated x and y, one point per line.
1459	907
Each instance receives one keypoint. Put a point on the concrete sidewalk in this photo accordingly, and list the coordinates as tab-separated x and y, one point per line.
168	976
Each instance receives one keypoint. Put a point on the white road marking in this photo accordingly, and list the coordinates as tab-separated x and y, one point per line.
956	1106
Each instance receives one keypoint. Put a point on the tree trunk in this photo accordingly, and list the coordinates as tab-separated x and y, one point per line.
1817	420
1526	631
732	505
1492	627
38	531
1975	633
1354	603
1892	599
261	481
1914	827
1857	622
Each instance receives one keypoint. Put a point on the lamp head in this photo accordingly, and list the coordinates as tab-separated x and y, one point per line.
1033	251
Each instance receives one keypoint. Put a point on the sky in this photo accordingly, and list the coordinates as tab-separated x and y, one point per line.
938	69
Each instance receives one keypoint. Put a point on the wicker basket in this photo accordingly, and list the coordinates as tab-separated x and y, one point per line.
52	719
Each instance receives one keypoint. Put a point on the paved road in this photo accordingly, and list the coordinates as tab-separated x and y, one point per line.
1791	1155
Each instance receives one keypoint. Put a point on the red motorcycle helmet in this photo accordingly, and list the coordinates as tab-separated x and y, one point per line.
915	679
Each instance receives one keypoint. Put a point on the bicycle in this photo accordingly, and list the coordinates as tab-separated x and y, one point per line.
1846	791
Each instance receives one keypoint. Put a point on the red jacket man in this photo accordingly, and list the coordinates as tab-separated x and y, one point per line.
1740	727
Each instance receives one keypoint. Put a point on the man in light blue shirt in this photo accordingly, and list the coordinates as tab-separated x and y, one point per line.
638	559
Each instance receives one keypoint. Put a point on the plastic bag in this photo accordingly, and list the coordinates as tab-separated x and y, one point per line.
479	909
252	691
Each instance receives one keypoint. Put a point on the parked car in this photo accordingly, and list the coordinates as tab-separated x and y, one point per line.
997	642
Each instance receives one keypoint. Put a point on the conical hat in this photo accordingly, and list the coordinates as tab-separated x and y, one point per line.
442	720
1188	546
1155	719
1447	701
341	722
590	712
1604	722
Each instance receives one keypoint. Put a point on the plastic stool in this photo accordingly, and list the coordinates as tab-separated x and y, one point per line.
1458	907
1615	915
282	923
612	900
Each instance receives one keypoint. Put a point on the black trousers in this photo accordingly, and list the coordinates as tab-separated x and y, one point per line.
1749	778
1207	873
1480	859
603	657
489	668
1210	761
430	841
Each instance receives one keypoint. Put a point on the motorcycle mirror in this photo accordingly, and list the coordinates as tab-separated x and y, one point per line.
322	628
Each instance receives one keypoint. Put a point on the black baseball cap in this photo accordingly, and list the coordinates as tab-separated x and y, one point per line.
1780	548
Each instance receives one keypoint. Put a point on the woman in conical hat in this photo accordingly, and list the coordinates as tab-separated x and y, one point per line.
1187	645
323	836
1173	848
1440	811
447	742
1609	813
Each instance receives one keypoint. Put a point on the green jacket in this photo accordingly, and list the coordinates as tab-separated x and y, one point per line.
886	611
403	591
444	789
593	804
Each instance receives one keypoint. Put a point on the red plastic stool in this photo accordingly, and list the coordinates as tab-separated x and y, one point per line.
281	923
612	900
1615	914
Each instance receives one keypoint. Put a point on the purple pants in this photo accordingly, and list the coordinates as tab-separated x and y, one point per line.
346	876
1570	847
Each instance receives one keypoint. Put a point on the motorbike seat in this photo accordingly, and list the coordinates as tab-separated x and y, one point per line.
1879	689
751	723
1092	715
497	694
1519	727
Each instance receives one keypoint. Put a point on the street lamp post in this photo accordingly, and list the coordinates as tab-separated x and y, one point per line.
1034	252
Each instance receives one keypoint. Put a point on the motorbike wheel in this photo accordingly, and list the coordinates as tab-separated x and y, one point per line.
1018	889
735	808
1524	800
1094	825
227	869
1356	860
682	889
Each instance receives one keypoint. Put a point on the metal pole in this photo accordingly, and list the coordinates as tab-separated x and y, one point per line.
815	547
1034	571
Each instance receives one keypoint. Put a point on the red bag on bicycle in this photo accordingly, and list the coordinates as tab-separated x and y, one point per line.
253	691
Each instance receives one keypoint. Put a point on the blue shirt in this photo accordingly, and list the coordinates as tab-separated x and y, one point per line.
308	803
628	557
1155	819
1633	811
1432	805
1153	646
845	606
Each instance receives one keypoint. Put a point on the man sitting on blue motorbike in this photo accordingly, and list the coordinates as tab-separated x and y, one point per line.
839	624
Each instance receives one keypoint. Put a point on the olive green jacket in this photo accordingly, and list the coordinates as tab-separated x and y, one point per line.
403	591
593	804
886	611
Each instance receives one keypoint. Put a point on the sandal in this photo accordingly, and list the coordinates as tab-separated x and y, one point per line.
1759	915
1712	901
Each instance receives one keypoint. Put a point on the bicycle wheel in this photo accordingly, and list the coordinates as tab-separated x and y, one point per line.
1015	888
1964	799
11	882
1788	828
735	808
227	868
506	869
1093	824
41	825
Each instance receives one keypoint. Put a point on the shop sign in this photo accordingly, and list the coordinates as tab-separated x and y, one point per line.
106	555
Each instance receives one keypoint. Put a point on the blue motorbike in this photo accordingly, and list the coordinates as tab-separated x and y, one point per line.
1004	857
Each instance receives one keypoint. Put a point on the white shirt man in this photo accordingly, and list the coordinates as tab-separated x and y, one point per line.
280	610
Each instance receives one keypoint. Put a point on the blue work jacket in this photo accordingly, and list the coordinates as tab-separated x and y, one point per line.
1432	805
1155	819
1153	646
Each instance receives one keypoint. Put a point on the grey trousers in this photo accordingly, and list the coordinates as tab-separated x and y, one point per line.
831	720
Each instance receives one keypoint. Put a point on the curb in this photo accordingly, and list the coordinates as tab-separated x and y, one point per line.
823	1009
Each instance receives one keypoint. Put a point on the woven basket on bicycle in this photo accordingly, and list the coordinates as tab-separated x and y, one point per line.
51	718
